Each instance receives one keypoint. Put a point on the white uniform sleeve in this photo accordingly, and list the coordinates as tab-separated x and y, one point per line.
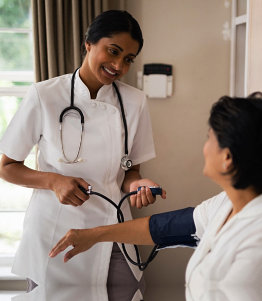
24	130
205	211
143	148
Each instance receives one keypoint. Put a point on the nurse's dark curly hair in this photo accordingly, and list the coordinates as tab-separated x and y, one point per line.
112	22
237	124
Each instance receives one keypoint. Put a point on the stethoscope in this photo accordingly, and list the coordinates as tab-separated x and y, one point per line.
125	163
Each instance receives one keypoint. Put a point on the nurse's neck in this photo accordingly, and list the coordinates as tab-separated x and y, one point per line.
92	85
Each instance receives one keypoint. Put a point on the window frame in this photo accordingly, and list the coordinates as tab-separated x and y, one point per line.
17	91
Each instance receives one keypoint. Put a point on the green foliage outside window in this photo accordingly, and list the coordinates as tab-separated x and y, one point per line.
16	51
15	13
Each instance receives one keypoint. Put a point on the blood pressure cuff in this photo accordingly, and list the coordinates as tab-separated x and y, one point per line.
174	228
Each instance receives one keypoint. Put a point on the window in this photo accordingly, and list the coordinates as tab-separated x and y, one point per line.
16	74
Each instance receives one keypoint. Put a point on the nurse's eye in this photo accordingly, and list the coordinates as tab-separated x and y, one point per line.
113	51
129	60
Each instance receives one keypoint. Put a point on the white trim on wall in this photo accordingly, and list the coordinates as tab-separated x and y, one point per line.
237	21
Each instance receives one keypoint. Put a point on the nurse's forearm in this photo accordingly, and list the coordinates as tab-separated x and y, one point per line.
131	176
17	173
66	188
130	232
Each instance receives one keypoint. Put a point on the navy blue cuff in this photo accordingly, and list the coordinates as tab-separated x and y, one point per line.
173	228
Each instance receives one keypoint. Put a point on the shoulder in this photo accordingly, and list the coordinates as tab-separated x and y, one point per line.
131	91
207	210
214	203
54	82
246	239
133	98
53	90
250	219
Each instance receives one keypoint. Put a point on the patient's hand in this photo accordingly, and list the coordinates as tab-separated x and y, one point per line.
80	239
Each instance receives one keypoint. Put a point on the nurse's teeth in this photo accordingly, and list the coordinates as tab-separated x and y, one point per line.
110	72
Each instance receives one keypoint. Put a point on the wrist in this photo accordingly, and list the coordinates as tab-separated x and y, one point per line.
51	179
99	234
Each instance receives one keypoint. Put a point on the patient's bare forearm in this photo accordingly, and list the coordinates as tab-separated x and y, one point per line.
130	232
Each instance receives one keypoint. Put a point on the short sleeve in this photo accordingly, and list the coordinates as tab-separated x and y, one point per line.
24	130
205	211
143	148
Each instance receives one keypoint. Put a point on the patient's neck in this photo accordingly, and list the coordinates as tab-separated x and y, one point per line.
240	197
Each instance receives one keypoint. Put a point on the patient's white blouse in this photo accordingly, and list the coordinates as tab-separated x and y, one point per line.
229	254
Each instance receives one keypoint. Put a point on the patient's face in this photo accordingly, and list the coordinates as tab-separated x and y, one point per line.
214	156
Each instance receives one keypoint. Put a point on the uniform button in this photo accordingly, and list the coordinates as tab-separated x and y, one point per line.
113	111
103	107
93	105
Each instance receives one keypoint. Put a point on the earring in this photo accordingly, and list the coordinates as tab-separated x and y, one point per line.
224	166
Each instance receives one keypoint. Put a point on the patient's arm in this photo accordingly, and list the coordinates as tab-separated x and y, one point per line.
173	228
131	232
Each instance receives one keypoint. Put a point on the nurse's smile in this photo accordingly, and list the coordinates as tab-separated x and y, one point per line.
111	73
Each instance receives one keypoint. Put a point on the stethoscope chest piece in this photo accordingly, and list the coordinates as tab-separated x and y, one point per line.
126	163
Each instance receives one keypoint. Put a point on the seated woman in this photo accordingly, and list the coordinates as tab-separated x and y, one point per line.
227	228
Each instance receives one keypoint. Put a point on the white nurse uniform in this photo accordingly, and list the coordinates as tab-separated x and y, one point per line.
46	219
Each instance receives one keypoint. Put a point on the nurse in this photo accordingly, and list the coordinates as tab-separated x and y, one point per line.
225	229
76	159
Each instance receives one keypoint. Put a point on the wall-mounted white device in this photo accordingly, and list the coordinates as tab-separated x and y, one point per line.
157	80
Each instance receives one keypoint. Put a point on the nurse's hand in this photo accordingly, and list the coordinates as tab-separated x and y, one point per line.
67	189
80	239
144	196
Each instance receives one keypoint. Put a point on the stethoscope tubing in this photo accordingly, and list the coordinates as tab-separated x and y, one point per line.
123	117
120	217
78	110
72	106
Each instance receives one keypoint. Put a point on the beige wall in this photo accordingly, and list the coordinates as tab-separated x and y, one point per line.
188	35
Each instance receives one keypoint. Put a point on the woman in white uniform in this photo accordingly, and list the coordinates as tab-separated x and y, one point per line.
77	159
226	229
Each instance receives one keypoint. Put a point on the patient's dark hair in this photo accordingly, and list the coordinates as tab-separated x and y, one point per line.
112	22
237	124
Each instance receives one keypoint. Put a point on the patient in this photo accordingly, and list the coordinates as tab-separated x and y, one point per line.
225	229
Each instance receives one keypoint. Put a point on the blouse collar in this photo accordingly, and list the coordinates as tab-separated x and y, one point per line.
252	208
82	89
